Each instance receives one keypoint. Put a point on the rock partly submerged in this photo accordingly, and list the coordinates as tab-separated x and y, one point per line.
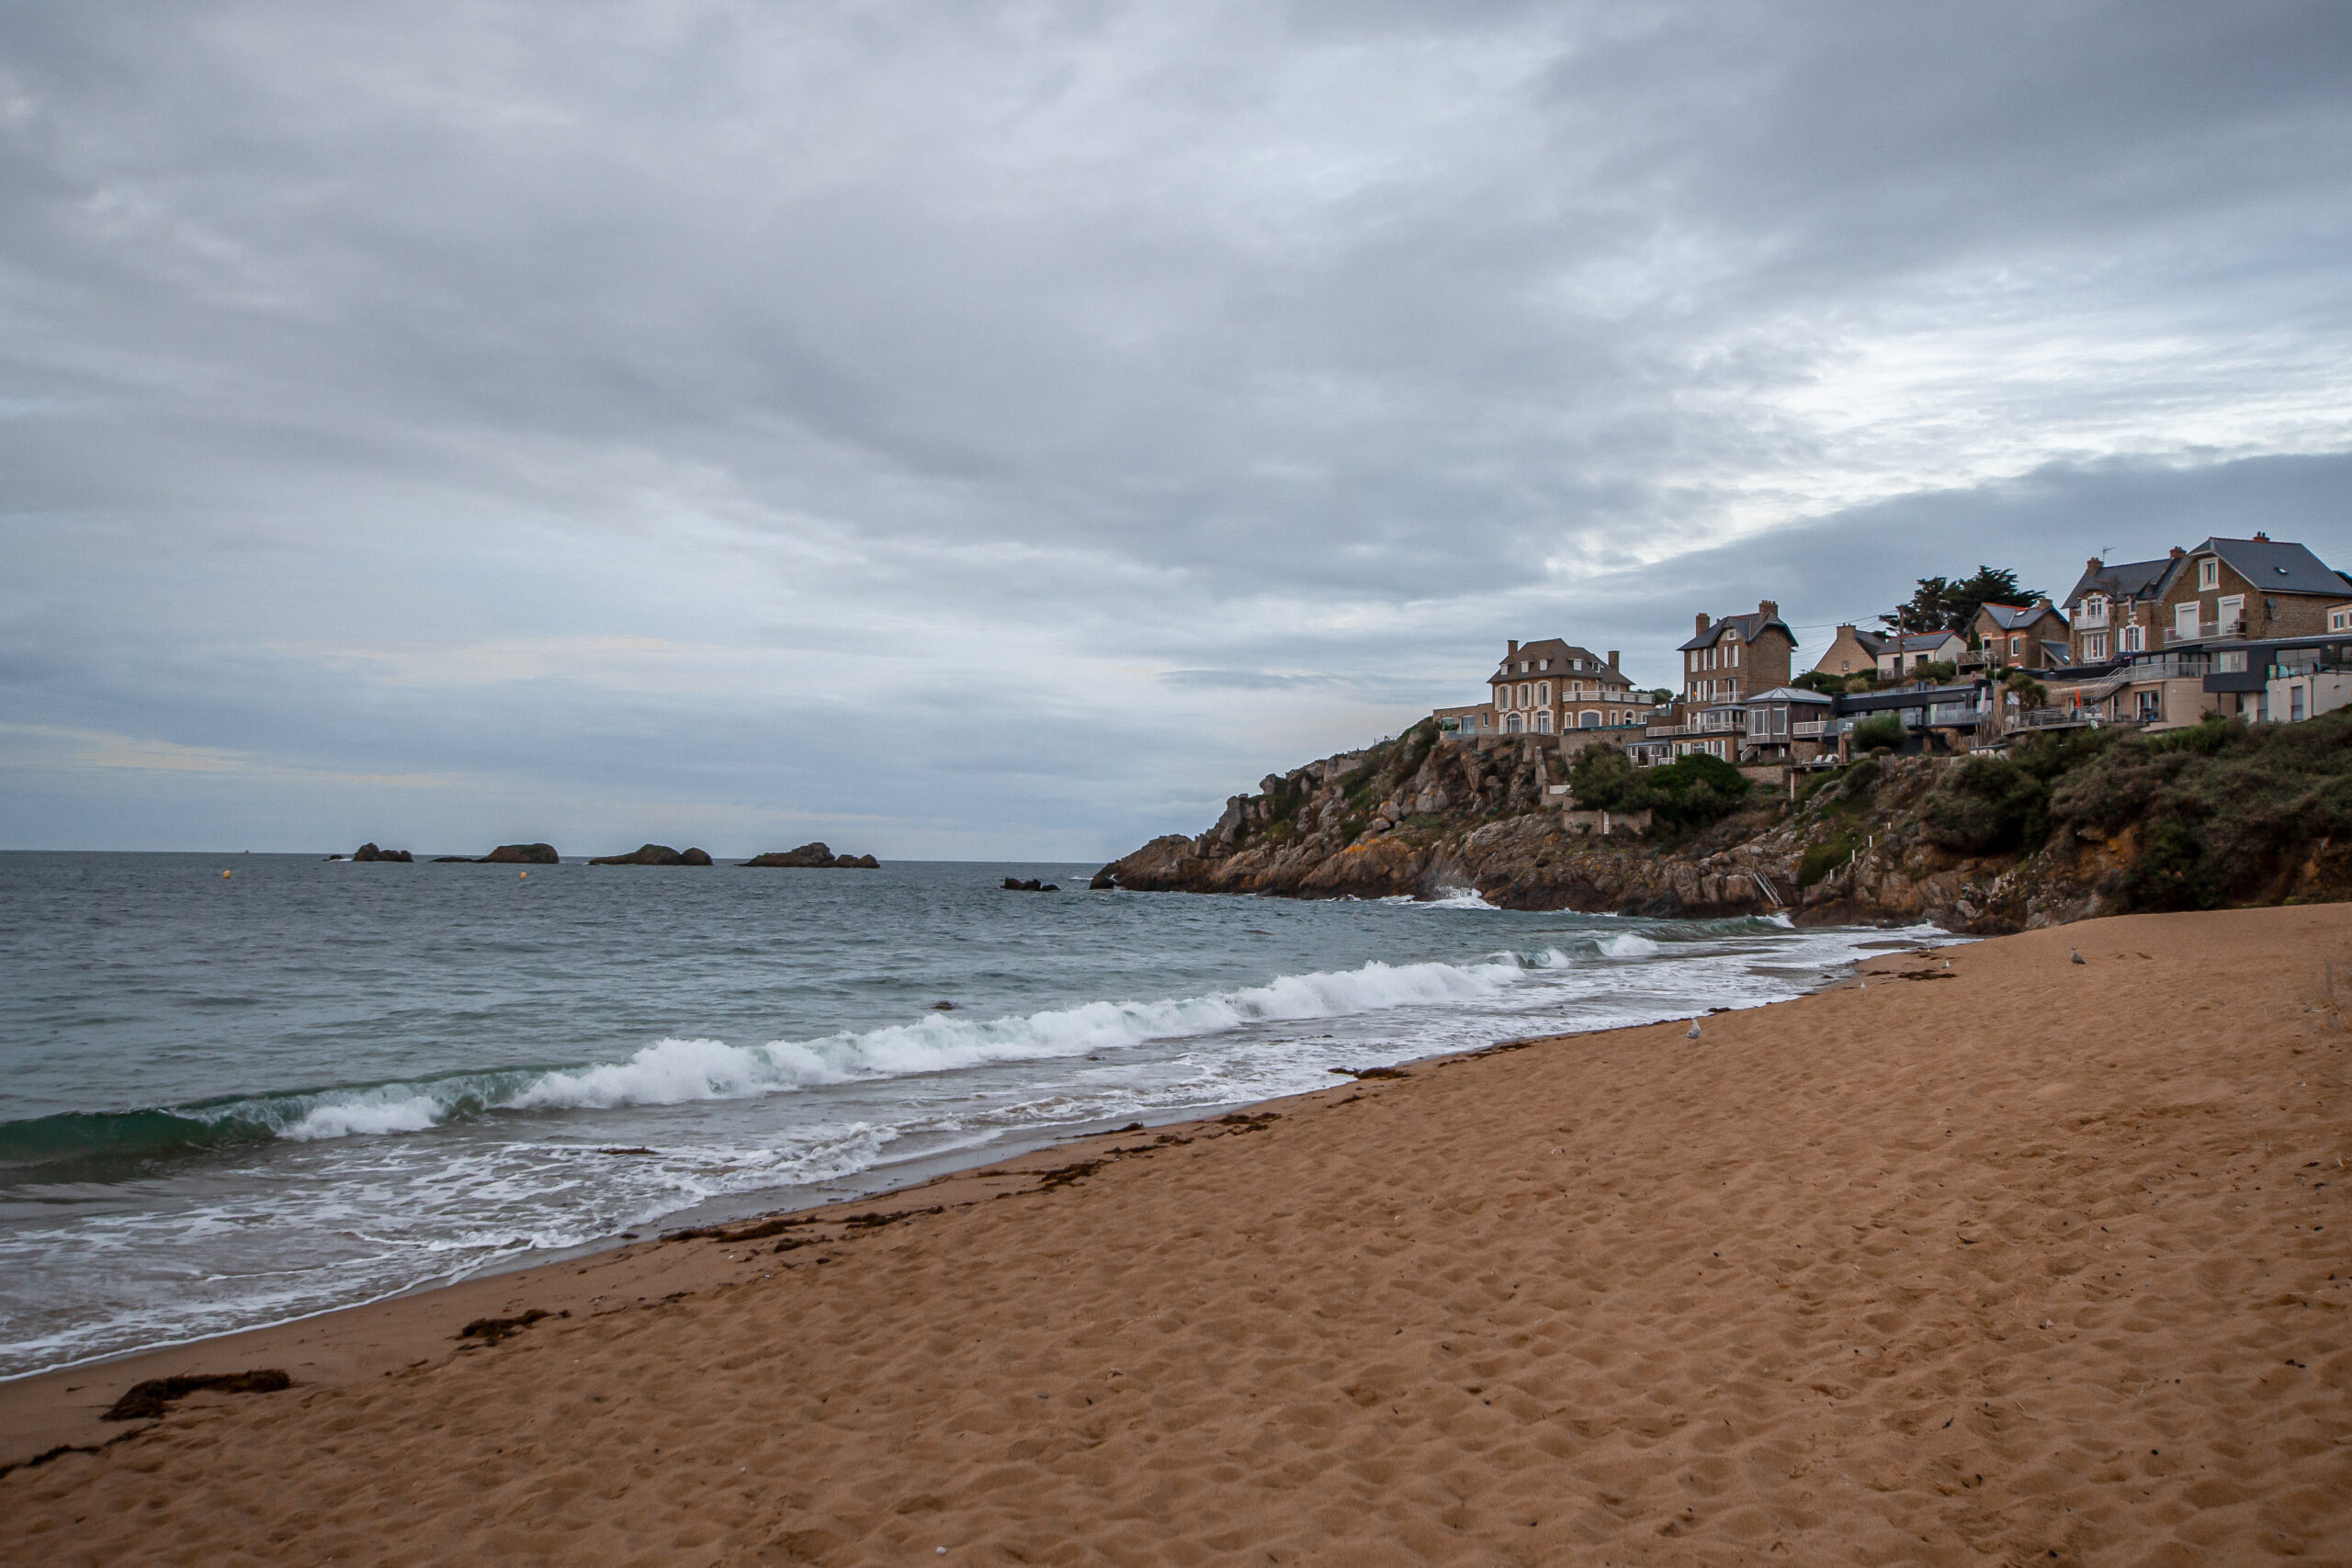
655	854
818	855
505	854
370	852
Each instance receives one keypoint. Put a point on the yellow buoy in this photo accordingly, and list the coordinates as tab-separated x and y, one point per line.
224	876
525	876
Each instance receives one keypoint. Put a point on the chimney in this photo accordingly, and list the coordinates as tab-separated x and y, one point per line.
1513	648
1768	609
2260	538
1613	659
2177	552
2094	564
1703	620
2042	604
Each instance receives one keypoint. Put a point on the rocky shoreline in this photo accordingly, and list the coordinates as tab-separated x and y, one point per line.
1423	818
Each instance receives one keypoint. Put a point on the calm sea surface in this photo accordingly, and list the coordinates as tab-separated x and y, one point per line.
232	1100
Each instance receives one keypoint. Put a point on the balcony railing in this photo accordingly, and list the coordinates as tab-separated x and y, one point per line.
2087	616
2205	630
1810	729
2169	667
2054	718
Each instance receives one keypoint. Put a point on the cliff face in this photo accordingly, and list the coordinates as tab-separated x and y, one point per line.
1421	817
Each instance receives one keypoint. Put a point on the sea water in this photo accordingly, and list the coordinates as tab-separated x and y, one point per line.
232	1101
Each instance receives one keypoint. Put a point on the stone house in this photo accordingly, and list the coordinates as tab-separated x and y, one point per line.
2245	588
1903	655
2023	637
1724	664
2111	610
1850	653
1728	660
1544	688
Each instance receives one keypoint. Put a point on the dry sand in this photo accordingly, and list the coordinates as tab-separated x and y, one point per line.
2043	1262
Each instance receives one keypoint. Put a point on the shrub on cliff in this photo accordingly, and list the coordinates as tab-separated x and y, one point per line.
1987	805
2171	872
1602	778
2227	811
1884	730
1691	792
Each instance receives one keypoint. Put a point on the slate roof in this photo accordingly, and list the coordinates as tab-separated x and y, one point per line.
1788	694
1751	626
2272	567
1559	653
2121	580
1918	642
2016	617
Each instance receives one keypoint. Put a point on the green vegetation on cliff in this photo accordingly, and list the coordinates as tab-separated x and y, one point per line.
2064	826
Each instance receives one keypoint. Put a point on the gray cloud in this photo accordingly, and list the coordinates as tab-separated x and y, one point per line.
1020	425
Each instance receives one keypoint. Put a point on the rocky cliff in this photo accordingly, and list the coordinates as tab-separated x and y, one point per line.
1982	845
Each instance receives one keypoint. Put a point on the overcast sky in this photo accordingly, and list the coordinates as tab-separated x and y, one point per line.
980	431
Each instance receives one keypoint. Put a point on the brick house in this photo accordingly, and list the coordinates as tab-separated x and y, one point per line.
1736	656
1850	653
1724	664
2023	637
2245	588
1543	688
2111	610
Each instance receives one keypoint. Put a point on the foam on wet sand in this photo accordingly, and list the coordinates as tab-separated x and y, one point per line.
2022	1261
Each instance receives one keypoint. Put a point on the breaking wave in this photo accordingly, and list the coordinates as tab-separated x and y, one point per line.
676	1071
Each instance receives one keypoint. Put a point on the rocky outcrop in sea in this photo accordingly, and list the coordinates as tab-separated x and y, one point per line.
655	854
816	855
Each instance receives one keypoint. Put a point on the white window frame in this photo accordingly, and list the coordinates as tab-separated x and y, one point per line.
2208	572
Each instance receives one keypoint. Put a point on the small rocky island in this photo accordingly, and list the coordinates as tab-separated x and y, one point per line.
816	855
655	854
370	852
505	854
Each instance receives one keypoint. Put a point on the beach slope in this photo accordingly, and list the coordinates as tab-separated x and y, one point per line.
2024	1261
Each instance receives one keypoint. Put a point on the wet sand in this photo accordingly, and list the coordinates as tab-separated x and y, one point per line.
2023	1261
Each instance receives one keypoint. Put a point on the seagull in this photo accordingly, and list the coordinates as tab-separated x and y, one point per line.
1694	1031
2076	956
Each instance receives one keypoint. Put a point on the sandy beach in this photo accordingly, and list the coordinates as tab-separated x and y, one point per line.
2016	1260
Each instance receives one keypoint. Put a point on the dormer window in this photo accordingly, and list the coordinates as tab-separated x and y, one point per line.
2208	572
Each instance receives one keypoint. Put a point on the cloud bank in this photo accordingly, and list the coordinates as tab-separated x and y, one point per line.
979	430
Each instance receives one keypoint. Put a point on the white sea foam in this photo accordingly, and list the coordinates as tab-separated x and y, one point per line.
1457	898
1628	946
376	1113
678	1071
